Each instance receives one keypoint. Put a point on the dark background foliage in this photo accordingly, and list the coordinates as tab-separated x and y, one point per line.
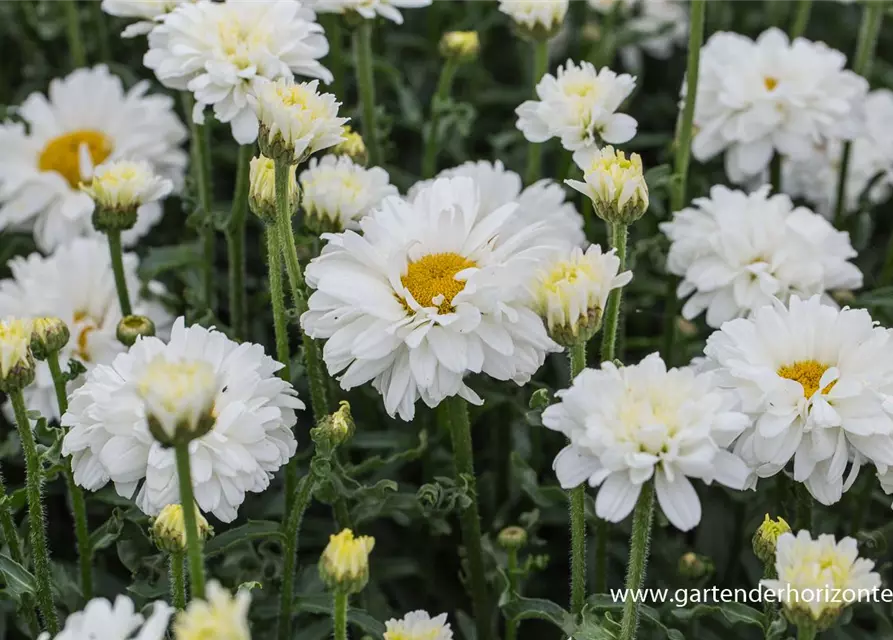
394	475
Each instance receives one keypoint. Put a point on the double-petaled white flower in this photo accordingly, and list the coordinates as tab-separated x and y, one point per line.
737	252
118	621
369	9
76	285
579	105
251	437
222	51
430	292
815	382
418	625
630	424
219	615
148	13
86	119
757	98
540	18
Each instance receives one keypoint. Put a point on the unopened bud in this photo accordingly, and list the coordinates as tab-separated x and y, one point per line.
512	538
694	566
48	336
130	328
169	528
262	189
462	46
352	146
344	565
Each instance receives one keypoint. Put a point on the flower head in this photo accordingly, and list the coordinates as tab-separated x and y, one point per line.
811	379
615	184
118	621
369	9
738	252
169	528
224	51
352	146
262	188
220	616
336	192
296	120
757	98
630	424
119	189
336	428
460	45
132	327
579	105
86	119
570	292
418	625
148	12
110	439
536	19
179	398
818	578
512	538
765	540
48	335
433	290
344	565
16	361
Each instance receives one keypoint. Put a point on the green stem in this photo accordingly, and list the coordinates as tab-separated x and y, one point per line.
193	542
39	553
102	31
58	381
277	299
601	556
612	315
801	18
775	173
804	508
336	53
577	500
638	560
511	627
456	411
178	580
872	17
362	50
75	37
115	251
535	150
312	358
444	86
201	174
235	241
806	632
7	524
292	530
339	615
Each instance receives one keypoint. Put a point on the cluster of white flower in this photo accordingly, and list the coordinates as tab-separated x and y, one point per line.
658	26
369	9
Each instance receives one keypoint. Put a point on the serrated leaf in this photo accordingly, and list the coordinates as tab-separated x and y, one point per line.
730	612
538	609
251	530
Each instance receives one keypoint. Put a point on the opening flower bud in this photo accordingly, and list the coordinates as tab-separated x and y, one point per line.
615	184
352	146
16	360
179	399
262	189
119	189
344	565
169	528
463	46
48	336
766	538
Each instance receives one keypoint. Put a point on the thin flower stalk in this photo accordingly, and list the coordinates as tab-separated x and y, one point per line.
193	541
444	86
235	240
75	35
577	499
117	258
638	559
301	501
178	580
362	50
535	151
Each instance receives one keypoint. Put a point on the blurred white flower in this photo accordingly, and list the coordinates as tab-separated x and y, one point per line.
658	26
126	185
815	177
336	192
737	252
221	51
254	411
118	621
757	98
218	615
76	285
426	296
86	119
418	625
579	105
630	424
536	14
815	381
148	12
369	9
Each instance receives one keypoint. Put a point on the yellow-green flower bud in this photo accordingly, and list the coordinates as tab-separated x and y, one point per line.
615	184
766	538
694	566
462	46
512	538
48	336
16	360
130	328
339	427
344	565
262	189
352	146
119	189
169	528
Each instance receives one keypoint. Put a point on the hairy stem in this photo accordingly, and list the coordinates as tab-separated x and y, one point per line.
193	542
577	500
292	530
638	559
178	580
339	615
277	300
511	627
612	315
362	50
235	241
201	174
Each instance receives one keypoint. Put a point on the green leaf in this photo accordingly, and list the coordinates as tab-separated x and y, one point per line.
322	603
248	531
107	534
731	612
19	581
535	608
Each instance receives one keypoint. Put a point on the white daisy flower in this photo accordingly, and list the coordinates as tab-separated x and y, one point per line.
737	252
814	380
418	625
816	176
336	192
536	14
219	615
125	185
758	98
579	106
76	285
369	9
659	26
427	295
118	621
220	51
86	119
251	439
147	12
818	578
543	201
630	424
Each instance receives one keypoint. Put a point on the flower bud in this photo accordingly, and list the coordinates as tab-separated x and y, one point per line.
766	538
462	46
169	528
262	189
344	565
179	399
338	427
512	538
536	20
16	360
694	566
616	185
351	146
48	336
132	327
119	189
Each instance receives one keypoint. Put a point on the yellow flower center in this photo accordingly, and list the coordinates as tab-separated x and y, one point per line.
430	634
238	41
86	325
770	83
808	373
62	154
434	276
